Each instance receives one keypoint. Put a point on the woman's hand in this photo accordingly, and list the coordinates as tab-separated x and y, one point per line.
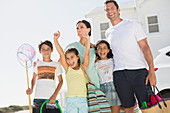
29	91
56	35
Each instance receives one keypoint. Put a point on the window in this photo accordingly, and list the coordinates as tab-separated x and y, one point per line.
103	28
153	24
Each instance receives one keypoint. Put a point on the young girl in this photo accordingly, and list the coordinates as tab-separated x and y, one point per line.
82	26
45	74
105	67
76	101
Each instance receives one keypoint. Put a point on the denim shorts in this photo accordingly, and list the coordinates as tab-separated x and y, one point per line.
131	83
76	105
109	90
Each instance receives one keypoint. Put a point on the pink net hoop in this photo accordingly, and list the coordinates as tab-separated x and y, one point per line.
25	54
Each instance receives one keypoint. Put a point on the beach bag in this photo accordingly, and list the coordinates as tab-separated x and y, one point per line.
154	100
50	107
97	102
161	105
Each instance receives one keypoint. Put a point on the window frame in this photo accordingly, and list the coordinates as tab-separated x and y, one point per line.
147	23
103	22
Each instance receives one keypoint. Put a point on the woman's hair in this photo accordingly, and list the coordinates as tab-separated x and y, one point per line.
87	24
75	51
109	55
46	42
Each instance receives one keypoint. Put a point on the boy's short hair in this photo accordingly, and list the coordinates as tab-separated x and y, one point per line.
46	42
113	1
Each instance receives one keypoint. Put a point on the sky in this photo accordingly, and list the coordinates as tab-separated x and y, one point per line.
31	21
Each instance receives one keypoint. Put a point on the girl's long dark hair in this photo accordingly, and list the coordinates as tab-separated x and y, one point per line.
75	51
110	54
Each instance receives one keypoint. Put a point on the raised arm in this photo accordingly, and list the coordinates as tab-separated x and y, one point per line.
60	51
86	54
149	59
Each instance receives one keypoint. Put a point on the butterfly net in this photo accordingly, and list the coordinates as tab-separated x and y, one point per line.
25	54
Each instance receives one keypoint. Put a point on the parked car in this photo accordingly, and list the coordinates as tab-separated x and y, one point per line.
162	62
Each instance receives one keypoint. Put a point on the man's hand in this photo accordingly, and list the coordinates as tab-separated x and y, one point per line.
152	78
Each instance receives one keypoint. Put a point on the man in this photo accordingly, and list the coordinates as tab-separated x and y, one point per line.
131	56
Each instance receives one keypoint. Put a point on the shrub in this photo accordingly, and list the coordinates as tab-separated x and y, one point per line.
16	108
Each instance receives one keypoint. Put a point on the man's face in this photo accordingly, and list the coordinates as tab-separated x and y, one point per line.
111	11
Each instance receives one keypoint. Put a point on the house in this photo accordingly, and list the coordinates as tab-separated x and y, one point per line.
154	17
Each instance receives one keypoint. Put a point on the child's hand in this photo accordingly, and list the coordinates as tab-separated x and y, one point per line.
97	58
85	35
34	64
56	35
29	91
52	99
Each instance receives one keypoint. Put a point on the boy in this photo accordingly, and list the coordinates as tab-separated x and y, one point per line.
46	71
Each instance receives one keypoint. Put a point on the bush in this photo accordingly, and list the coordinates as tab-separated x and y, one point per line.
6	108
16	108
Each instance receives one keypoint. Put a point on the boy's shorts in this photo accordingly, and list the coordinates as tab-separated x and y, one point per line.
131	83
48	108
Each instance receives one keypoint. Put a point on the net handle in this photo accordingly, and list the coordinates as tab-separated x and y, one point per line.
30	107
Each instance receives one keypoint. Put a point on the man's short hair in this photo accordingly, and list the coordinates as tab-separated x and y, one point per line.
113	1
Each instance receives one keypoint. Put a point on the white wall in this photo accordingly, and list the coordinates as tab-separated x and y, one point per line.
156	40
161	39
147	8
159	8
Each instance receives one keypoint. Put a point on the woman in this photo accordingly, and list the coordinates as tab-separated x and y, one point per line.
82	28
